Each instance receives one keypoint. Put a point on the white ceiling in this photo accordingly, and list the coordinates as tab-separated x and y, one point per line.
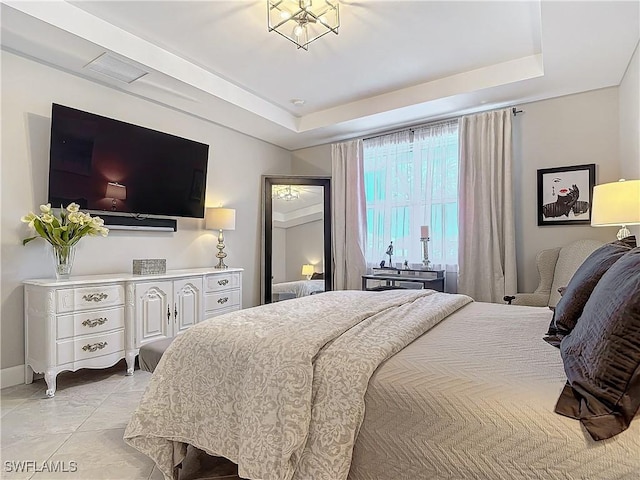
393	63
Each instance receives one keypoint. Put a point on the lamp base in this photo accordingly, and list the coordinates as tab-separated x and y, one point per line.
220	255
221	264
426	264
624	232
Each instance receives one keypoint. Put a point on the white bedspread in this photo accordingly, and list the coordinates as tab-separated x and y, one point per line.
279	389
300	288
474	398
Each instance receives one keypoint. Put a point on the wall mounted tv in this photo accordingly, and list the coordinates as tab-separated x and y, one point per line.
110	166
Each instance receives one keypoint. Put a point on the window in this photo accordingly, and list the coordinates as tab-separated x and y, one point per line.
411	179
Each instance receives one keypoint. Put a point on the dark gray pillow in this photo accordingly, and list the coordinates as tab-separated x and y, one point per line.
602	354
577	292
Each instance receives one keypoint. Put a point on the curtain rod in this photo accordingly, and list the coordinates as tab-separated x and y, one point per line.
411	128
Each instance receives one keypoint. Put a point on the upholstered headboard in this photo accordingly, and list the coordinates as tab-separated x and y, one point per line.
570	258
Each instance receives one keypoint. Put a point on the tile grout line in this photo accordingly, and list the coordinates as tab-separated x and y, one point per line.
76	429
121	386
96	409
56	450
151	473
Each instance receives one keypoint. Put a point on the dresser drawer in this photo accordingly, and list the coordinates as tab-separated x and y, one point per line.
89	322
83	298
221	300
220	311
89	347
223	281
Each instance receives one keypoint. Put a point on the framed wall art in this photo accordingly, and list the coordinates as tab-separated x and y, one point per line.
565	195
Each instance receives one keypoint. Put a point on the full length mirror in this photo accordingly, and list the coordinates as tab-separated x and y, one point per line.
296	247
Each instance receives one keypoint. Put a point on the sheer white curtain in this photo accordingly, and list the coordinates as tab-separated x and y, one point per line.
487	230
436	148
388	179
411	180
348	220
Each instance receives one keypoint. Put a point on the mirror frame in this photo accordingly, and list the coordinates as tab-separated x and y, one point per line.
268	181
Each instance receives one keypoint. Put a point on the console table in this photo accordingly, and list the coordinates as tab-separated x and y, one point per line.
94	321
390	278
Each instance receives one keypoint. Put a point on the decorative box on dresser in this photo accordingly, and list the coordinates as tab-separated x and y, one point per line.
94	321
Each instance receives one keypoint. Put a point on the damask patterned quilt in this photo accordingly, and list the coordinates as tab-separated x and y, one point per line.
279	389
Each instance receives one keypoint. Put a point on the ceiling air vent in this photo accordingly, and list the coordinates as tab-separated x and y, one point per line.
113	67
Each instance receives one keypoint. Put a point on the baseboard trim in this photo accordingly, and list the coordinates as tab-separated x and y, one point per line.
11	376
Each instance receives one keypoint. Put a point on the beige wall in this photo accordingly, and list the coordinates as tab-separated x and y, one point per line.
236	163
305	244
571	130
279	254
629	96
312	161
294	247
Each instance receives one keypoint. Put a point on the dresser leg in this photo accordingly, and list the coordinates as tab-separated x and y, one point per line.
50	378
131	361
28	374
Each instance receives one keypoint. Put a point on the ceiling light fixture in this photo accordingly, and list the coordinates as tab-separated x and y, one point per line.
303	21
285	192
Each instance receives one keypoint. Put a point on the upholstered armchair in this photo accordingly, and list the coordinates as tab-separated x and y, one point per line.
556	266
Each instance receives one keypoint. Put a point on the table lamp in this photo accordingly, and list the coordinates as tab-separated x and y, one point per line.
115	191
220	219
616	204
308	270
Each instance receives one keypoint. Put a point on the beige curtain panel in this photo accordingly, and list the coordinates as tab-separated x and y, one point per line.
487	254
348	217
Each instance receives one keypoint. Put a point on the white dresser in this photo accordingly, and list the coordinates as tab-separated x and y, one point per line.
94	321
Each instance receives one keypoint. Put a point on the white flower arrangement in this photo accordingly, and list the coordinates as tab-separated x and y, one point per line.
65	230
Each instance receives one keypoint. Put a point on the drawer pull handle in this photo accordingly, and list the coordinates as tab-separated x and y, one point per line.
95	347
94	322
223	300
223	282
95	297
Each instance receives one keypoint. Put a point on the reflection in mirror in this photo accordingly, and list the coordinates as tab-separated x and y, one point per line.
297	251
297	237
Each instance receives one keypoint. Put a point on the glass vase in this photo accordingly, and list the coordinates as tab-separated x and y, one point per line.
63	260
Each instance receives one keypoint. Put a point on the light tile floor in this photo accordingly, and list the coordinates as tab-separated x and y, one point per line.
84	423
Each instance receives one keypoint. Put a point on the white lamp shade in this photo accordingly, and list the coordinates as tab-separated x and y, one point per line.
616	203
115	190
308	270
220	219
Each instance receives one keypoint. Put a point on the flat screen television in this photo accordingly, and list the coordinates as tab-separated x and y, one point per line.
105	165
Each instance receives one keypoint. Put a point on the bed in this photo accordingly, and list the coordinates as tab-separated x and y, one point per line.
481	406
444	388
299	288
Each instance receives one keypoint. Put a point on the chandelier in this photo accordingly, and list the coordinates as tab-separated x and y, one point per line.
303	21
285	192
